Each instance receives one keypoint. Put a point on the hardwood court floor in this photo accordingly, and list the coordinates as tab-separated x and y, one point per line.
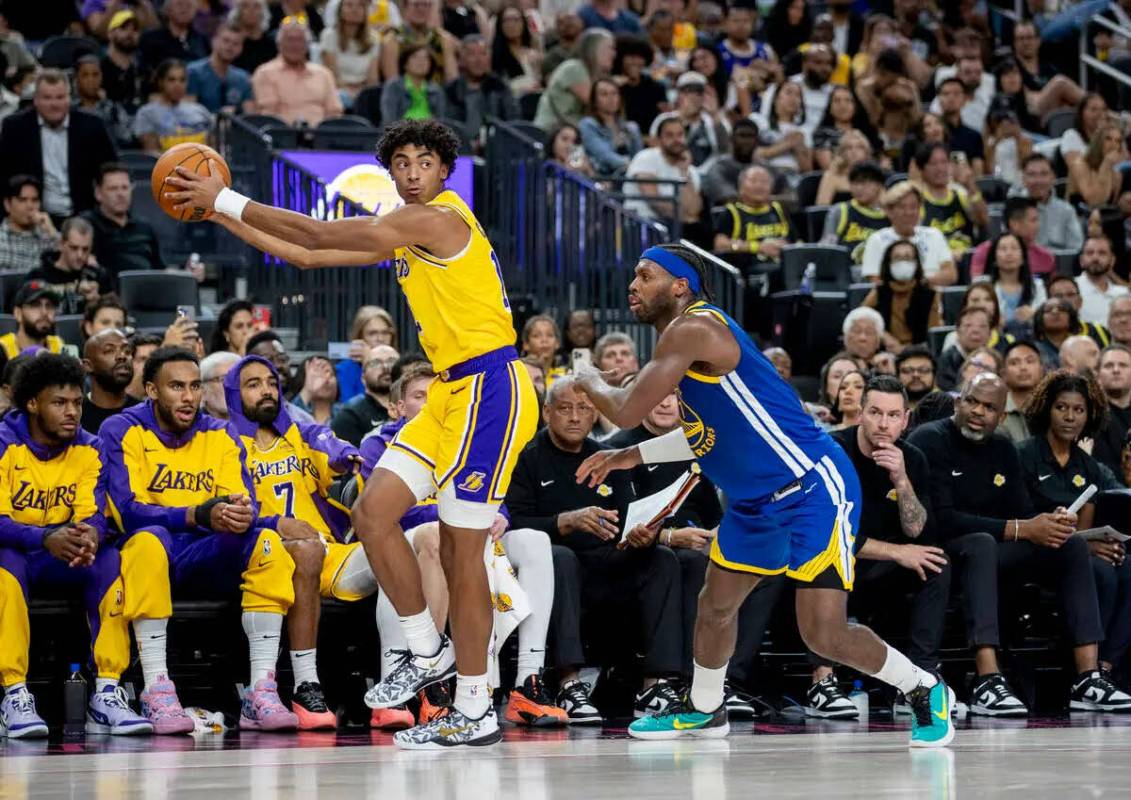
1081	756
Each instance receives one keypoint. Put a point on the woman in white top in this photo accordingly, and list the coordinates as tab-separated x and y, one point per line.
516	54
1018	294
1091	112
350	49
787	143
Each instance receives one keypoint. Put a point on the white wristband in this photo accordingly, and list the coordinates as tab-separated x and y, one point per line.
230	204
672	446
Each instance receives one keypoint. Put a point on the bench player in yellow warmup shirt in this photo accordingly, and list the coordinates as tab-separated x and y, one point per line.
53	540
292	466
464	443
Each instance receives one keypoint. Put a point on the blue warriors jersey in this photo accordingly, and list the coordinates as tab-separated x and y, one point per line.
154	477
42	488
748	428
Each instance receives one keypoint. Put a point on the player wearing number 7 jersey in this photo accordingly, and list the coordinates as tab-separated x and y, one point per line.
293	466
463	445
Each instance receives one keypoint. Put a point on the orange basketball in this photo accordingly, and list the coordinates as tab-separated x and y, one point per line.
193	157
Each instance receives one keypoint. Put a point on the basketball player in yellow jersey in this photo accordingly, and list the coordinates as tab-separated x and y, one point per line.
464	443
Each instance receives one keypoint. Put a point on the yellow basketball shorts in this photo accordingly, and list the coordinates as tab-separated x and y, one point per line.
464	443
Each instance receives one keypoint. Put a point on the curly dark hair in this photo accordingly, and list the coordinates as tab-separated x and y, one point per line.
1038	411
40	372
427	133
162	356
697	263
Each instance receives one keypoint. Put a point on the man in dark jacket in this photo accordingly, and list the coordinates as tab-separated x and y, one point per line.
478	93
610	565
59	146
369	409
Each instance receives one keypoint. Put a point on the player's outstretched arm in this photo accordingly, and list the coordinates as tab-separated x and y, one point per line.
378	238
678	348
301	257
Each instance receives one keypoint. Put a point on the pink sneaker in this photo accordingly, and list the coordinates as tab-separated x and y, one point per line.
161	707
262	709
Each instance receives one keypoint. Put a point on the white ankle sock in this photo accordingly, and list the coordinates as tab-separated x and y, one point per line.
421	634
263	634
898	671
15	687
150	635
530	662
472	695
102	683
707	688
305	666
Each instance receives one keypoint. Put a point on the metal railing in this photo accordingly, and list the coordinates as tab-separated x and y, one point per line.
1091	62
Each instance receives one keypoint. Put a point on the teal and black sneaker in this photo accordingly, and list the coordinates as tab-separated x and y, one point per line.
931	721
682	720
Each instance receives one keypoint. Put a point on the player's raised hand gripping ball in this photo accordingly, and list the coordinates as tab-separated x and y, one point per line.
173	195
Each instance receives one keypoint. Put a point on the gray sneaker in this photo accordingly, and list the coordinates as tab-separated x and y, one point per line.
411	674
451	729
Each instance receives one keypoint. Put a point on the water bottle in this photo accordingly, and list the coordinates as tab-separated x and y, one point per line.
194	263
74	703
859	699
808	278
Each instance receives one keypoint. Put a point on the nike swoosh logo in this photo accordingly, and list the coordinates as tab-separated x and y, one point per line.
20	469
460	389
546	483
1043	477
653	467
453	731
684	726
956	473
942	714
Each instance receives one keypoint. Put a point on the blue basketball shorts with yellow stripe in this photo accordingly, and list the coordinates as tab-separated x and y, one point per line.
464	443
805	530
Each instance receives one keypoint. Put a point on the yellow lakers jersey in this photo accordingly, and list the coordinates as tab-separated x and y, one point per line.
12	348
290	482
459	303
46	488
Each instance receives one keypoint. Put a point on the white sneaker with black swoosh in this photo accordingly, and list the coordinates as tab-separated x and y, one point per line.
1094	691
411	674
655	700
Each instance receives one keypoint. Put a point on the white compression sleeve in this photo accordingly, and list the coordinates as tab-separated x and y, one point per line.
672	446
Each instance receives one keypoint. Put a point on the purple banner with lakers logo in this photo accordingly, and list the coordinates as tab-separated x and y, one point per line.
360	178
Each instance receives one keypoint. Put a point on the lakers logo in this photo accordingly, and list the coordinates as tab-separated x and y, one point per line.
700	437
999	480
473	483
499	551
603	490
1077	480
503	602
892	495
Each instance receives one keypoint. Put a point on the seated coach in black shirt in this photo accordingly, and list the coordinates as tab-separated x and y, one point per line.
987	523
586	523
1065	408
894	542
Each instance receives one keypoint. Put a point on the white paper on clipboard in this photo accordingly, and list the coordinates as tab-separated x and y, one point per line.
648	510
1105	532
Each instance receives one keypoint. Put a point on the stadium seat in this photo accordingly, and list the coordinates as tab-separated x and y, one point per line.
996	222
993	189
528	105
1065	261
951	302
8	324
833	262
152	296
528	129
61	52
1060	121
10	281
69	328
367	104
140	163
857	292
807	188
347	132
936	336
815	222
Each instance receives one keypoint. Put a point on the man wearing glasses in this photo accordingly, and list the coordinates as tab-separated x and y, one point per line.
915	368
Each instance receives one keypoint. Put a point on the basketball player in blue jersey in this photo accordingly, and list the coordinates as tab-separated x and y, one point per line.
462	446
793	498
